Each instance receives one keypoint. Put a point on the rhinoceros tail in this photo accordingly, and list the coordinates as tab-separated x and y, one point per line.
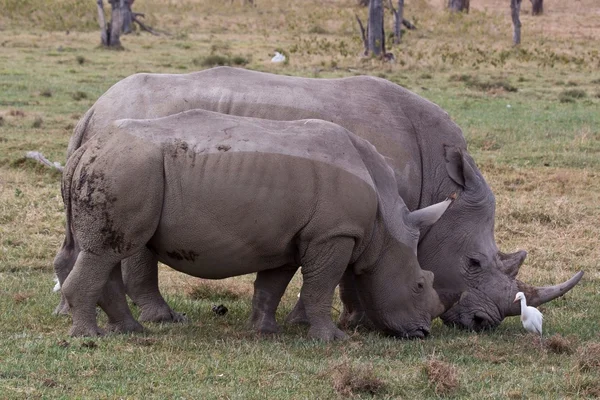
79	132
67	255
65	189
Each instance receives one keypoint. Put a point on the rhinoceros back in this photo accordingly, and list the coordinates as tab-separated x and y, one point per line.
401	125
240	193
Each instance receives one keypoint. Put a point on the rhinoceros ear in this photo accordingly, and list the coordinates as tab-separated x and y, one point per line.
512	262
459	169
429	215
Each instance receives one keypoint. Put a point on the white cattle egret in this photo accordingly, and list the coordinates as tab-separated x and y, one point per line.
57	286
278	57
530	316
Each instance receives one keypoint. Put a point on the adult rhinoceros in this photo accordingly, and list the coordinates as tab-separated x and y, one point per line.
216	195
475	281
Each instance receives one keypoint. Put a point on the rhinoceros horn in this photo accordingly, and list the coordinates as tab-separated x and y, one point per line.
539	295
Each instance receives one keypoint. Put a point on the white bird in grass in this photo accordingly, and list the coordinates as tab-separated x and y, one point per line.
530	316
278	57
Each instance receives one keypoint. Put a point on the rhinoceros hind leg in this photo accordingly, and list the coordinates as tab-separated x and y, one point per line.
63	264
83	288
269	287
114	304
323	265
140	274
162	314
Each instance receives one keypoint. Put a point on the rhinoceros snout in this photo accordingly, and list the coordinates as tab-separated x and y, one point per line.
482	322
419	333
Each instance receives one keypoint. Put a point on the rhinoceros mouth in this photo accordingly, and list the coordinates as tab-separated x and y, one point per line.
477	321
473	311
420	333
417	333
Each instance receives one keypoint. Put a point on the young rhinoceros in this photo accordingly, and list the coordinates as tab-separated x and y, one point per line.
216	196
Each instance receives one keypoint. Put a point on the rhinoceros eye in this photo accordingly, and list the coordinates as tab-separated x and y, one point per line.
474	264
420	286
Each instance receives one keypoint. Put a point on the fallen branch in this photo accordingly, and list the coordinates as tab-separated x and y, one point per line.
408	24
144	27
36	155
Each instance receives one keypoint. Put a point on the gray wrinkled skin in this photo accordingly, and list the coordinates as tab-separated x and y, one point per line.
425	148
233	195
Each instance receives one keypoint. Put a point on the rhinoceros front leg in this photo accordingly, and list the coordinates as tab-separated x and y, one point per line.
140	274
298	314
323	265
269	287
353	314
83	289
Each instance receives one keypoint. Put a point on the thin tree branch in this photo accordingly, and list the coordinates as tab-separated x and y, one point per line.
134	18
363	34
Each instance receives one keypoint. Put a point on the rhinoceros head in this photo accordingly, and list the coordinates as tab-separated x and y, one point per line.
398	295
475	281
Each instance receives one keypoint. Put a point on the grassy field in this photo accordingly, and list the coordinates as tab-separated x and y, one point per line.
531	116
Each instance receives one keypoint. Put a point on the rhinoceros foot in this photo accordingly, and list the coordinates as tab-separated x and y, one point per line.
85	330
326	333
355	319
128	326
298	314
264	326
161	315
263	323
62	308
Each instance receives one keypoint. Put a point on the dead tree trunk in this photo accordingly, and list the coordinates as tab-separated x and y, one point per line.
459	5
121	22
375	30
116	23
515	10
104	32
126	15
398	20
537	7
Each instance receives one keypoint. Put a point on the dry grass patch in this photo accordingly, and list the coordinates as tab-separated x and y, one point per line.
219	290
443	377
588	357
559	344
21	297
142	341
351	380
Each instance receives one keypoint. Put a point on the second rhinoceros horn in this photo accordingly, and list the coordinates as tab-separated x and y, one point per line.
537	295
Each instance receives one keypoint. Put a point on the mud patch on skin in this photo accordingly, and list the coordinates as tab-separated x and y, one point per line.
178	146
223	147
188	255
175	255
90	195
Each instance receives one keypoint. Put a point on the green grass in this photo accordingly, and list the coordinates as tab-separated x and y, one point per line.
539	153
